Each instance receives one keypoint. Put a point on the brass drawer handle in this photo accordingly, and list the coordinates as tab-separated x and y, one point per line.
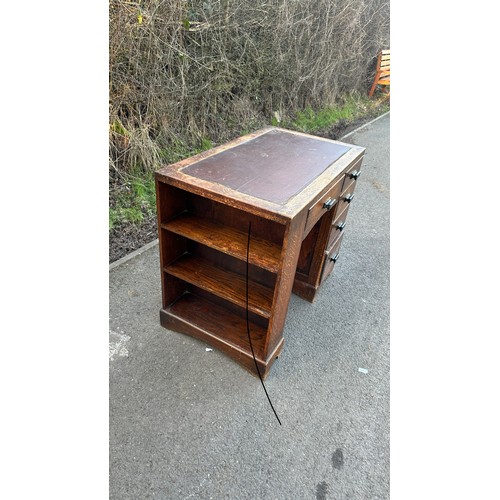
341	226
349	198
334	258
329	203
354	174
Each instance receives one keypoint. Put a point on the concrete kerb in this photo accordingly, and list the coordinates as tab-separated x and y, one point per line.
133	254
363	126
151	244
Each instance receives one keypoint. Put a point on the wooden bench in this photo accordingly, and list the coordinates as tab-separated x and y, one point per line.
383	73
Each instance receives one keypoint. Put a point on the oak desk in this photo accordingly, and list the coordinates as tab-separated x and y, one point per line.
295	190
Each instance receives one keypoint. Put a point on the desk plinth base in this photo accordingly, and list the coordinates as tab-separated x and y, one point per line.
234	343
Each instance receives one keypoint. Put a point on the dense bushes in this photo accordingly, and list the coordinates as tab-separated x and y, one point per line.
184	70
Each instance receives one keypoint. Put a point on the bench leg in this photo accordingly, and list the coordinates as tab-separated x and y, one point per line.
374	86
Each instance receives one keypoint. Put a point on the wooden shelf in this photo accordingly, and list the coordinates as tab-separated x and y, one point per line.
219	325
226	239
226	284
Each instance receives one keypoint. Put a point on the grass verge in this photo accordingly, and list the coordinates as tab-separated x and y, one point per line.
132	200
132	196
353	108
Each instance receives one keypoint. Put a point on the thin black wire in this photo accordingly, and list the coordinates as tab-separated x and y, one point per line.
248	329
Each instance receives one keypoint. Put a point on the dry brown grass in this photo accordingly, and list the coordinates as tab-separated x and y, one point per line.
183	70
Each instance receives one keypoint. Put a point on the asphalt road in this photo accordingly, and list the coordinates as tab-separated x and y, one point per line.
190	423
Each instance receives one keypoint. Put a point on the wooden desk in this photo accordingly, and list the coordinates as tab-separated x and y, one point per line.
295	190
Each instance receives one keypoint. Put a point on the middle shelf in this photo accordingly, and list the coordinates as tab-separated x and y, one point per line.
224	283
231	241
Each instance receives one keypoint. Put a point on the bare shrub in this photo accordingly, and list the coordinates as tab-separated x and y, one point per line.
182	70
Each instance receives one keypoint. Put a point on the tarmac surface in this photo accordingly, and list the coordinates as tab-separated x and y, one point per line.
187	422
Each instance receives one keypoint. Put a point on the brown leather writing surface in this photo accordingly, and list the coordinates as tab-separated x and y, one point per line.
274	166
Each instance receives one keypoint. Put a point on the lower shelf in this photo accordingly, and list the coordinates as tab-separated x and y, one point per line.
225	330
226	284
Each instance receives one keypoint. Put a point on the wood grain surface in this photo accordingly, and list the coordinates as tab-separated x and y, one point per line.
226	239
228	285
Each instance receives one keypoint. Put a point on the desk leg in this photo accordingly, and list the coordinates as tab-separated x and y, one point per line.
311	259
284	282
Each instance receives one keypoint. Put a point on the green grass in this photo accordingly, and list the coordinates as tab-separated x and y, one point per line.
351	109
310	120
144	192
119	215
136	198
134	201
179	150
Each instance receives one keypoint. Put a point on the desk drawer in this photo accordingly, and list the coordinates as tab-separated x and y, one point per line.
352	175
338	226
346	198
331	258
326	202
